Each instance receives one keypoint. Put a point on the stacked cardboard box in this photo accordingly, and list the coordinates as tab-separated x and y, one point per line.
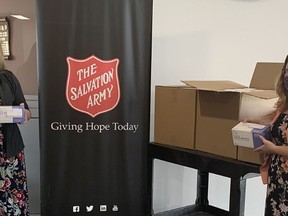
175	118
201	114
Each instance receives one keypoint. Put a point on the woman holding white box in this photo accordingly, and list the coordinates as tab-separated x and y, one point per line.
274	171
13	180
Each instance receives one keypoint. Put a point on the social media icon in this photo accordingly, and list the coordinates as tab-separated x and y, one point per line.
103	208
89	208
115	208
76	208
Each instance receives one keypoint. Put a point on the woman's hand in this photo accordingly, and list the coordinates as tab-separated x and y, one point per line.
27	114
251	120
268	147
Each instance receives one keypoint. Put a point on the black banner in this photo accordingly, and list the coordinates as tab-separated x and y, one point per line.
94	60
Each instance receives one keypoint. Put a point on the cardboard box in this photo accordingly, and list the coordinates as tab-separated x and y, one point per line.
218	108
265	76
12	114
247	134
249	155
175	110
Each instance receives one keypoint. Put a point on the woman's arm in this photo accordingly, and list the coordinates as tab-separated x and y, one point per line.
269	147
27	113
19	98
264	120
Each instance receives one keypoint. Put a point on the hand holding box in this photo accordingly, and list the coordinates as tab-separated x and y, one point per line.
247	134
12	114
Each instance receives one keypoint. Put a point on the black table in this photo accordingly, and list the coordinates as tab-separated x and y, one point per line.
205	163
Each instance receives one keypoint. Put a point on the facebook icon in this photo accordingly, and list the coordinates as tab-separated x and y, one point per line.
76	208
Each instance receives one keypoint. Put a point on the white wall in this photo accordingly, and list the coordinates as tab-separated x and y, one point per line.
208	40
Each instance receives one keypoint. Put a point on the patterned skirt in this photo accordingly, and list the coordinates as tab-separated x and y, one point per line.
13	184
277	188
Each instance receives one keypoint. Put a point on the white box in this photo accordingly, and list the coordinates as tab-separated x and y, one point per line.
12	114
247	134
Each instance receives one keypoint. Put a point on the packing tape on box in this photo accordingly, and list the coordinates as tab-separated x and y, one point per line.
254	107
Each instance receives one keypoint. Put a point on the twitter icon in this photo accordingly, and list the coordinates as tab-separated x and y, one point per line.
89	208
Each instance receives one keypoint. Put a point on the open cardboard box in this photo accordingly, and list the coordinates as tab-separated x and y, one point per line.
218	108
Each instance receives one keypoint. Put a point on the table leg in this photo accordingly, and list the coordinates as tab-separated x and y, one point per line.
202	190
235	197
150	186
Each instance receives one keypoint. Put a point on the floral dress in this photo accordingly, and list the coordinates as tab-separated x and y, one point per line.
13	183
277	188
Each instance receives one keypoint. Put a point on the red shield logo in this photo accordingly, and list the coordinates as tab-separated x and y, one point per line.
92	85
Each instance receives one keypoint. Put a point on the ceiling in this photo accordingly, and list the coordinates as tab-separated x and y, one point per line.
23	7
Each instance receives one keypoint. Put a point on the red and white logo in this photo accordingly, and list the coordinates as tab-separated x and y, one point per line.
92	85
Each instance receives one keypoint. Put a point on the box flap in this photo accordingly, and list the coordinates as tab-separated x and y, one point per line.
265	94
265	74
172	86
215	85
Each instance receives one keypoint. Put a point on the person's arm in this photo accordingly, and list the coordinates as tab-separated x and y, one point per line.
27	113
20	99
269	147
264	120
